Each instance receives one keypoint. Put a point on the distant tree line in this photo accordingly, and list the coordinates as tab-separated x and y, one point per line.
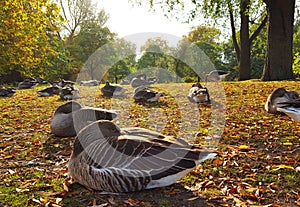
55	39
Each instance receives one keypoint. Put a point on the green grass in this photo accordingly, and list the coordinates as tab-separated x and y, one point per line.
33	161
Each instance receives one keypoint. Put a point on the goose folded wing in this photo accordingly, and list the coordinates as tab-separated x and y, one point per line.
293	103
157	157
88	115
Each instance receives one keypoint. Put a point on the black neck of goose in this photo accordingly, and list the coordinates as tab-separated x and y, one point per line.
68	108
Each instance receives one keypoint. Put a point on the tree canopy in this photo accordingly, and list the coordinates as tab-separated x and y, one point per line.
28	36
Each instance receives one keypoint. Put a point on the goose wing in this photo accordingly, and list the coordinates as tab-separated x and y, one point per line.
144	95
293	103
87	115
135	156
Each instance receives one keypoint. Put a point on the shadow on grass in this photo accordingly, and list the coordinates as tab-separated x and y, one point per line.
174	195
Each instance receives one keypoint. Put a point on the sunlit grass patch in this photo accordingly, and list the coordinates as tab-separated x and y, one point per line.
257	153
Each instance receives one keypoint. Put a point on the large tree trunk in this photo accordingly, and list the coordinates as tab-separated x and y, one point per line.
244	63
279	58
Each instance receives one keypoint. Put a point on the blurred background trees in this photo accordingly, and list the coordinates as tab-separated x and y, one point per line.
54	39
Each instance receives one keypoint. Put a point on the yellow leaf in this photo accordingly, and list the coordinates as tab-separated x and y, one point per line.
288	144
244	147
284	167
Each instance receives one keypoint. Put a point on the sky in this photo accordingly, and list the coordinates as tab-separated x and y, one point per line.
127	20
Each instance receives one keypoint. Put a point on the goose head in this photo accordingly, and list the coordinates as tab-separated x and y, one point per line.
71	117
7	92
97	131
216	75
277	97
198	95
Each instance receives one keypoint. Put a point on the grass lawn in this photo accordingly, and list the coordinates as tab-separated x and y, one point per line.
258	162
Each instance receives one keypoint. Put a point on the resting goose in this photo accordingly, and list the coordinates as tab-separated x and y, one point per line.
111	159
52	90
279	95
146	94
141	80
90	83
27	83
137	82
71	117
62	83
69	92
291	108
124	82
198	94
216	76
7	92
112	90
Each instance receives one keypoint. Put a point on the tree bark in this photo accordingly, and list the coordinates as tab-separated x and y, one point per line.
244	64
233	31
279	58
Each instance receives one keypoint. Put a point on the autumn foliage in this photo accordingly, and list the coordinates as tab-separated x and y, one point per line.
257	165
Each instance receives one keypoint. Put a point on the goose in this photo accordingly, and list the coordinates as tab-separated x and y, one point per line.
62	83
141	80
52	90
112	90
69	92
90	83
137	82
42	81
146	94
198	94
152	80
110	159
124	82
70	117
277	96
216	76
7	92
291	108
27	83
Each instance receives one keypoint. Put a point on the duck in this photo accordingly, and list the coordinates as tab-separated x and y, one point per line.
52	90
216	76
69	92
7	92
198	94
146	94
119	160
291	108
113	90
277	96
69	118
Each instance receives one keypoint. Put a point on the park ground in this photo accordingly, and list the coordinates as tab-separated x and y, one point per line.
257	164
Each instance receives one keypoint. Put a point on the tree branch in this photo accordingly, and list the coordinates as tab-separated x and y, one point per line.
233	30
257	31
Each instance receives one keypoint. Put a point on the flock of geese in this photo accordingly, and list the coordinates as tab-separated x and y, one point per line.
112	159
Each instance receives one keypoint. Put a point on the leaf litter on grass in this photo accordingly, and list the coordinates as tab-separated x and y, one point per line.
257	165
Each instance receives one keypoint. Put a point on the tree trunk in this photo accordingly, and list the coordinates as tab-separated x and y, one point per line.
279	58
244	63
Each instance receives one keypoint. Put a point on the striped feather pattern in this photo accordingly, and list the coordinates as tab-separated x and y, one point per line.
109	159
